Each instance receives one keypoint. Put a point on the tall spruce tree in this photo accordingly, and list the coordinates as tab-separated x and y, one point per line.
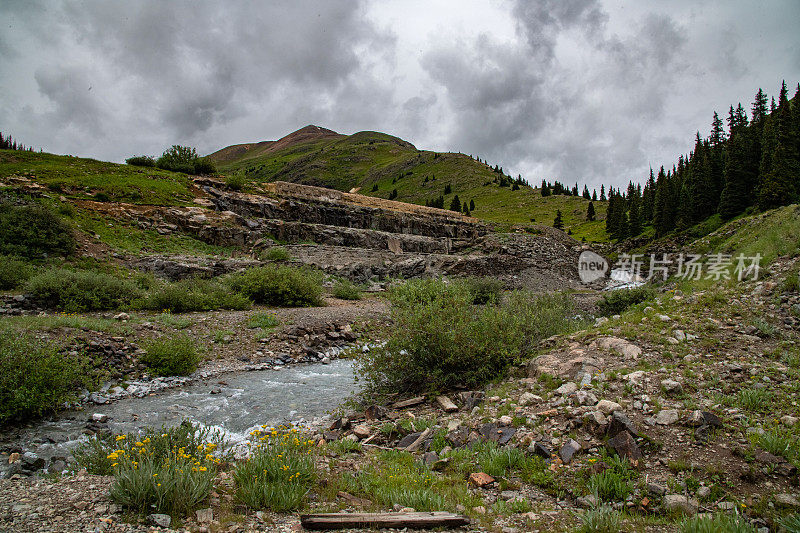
590	214
779	185
558	223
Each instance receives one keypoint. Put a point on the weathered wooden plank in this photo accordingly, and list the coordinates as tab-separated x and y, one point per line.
411	402
418	442
382	520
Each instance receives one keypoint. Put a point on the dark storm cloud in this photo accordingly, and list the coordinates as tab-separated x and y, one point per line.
518	103
579	90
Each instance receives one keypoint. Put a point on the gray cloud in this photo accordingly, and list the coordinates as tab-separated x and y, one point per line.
578	90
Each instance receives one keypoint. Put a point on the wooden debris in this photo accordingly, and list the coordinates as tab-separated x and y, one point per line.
355	500
446	404
411	402
417	443
382	520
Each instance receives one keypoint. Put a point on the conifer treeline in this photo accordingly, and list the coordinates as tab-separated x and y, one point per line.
8	143
756	162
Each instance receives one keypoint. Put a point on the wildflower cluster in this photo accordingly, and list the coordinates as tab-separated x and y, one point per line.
279	471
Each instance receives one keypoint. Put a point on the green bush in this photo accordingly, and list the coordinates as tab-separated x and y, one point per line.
279	472
440	341
279	285
141	161
34	231
276	253
171	356
35	378
484	290
235	182
203	166
192	295
13	272
263	321
346	290
79	291
178	159
615	302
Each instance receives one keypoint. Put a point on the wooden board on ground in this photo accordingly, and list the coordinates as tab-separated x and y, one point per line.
382	520
409	403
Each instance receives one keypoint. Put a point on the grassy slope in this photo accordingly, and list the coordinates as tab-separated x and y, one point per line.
80	178
368	158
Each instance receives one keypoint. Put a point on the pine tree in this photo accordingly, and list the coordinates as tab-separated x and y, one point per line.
660	212
472	205
545	189
590	214
602	193
735	197
778	186
594	195
455	204
448	189
558	223
634	220
586	193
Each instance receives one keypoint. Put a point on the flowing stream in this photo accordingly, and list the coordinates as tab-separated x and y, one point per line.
234	402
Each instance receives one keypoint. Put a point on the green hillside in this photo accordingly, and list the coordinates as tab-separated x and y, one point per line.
80	178
378	164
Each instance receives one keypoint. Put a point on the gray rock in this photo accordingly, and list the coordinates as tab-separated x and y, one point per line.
568	450
587	502
528	398
566	388
787	500
667	417
619	422
680	504
656	488
204	516
584	397
671	386
704	492
160	520
607	407
625	446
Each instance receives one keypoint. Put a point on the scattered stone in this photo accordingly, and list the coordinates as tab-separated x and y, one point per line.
537	448
568	450
667	417
480	479
671	386
607	407
160	520
471	399
624	445
696	419
600	321
587	502
122	316
505	420
528	398
430	458
680	504
495	433
664	318
619	422
787	500
361	431
204	516
566	389
656	488
788	420
679	335
375	412
446	404
704	492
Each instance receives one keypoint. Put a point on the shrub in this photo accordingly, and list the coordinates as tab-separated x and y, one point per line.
203	166
615	302
279	472
13	272
441	341
192	295
346	290
141	161
484	290
171	356
78	291
35	378
178	159
34	231
279	285
235	182
277	253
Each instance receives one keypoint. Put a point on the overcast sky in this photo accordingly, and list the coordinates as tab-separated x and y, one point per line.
592	91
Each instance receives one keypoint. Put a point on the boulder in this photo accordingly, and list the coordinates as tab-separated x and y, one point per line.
624	445
568	450
680	504
607	407
667	417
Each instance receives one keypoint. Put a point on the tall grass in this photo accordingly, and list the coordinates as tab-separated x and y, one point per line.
79	291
